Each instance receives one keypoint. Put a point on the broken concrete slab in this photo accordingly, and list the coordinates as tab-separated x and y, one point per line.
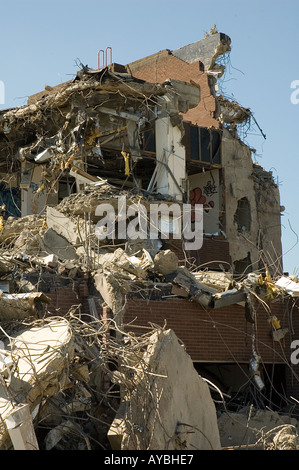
217	280
206	50
109	288
20	306
40	357
57	433
75	229
58	245
13	227
122	265
196	292
248	426
161	412
20	428
63	225
229	297
166	262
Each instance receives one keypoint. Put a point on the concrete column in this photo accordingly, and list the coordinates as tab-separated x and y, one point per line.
171	152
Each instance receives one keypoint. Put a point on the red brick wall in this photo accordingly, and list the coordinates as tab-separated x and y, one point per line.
292	371
214	251
64	297
221	335
163	65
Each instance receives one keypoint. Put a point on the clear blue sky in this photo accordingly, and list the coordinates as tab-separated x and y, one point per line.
42	40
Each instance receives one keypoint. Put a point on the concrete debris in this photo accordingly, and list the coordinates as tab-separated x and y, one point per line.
166	262
218	280
169	420
232	112
58	245
286	438
65	368
71	229
56	434
256	429
20	428
288	285
36	359
55	371
13	228
112	144
21	306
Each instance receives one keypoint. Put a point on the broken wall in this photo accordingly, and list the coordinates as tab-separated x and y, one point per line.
212	335
237	164
163	65
171	152
205	189
254	239
35	198
269	218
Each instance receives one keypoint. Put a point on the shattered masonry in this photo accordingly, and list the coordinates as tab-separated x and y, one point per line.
94	333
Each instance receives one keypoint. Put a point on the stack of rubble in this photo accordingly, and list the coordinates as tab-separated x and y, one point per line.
68	383
65	384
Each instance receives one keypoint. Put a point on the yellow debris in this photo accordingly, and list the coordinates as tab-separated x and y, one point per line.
69	161
39	190
127	163
275	322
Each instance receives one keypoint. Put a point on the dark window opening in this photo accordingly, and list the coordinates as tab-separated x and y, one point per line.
10	201
194	143
205	149
242	215
202	144
243	266
66	187
216	148
149	142
235	379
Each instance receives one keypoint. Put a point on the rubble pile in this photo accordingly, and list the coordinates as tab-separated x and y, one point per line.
257	429
79	382
65	384
83	379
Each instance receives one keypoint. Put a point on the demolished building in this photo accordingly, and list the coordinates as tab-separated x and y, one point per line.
155	131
